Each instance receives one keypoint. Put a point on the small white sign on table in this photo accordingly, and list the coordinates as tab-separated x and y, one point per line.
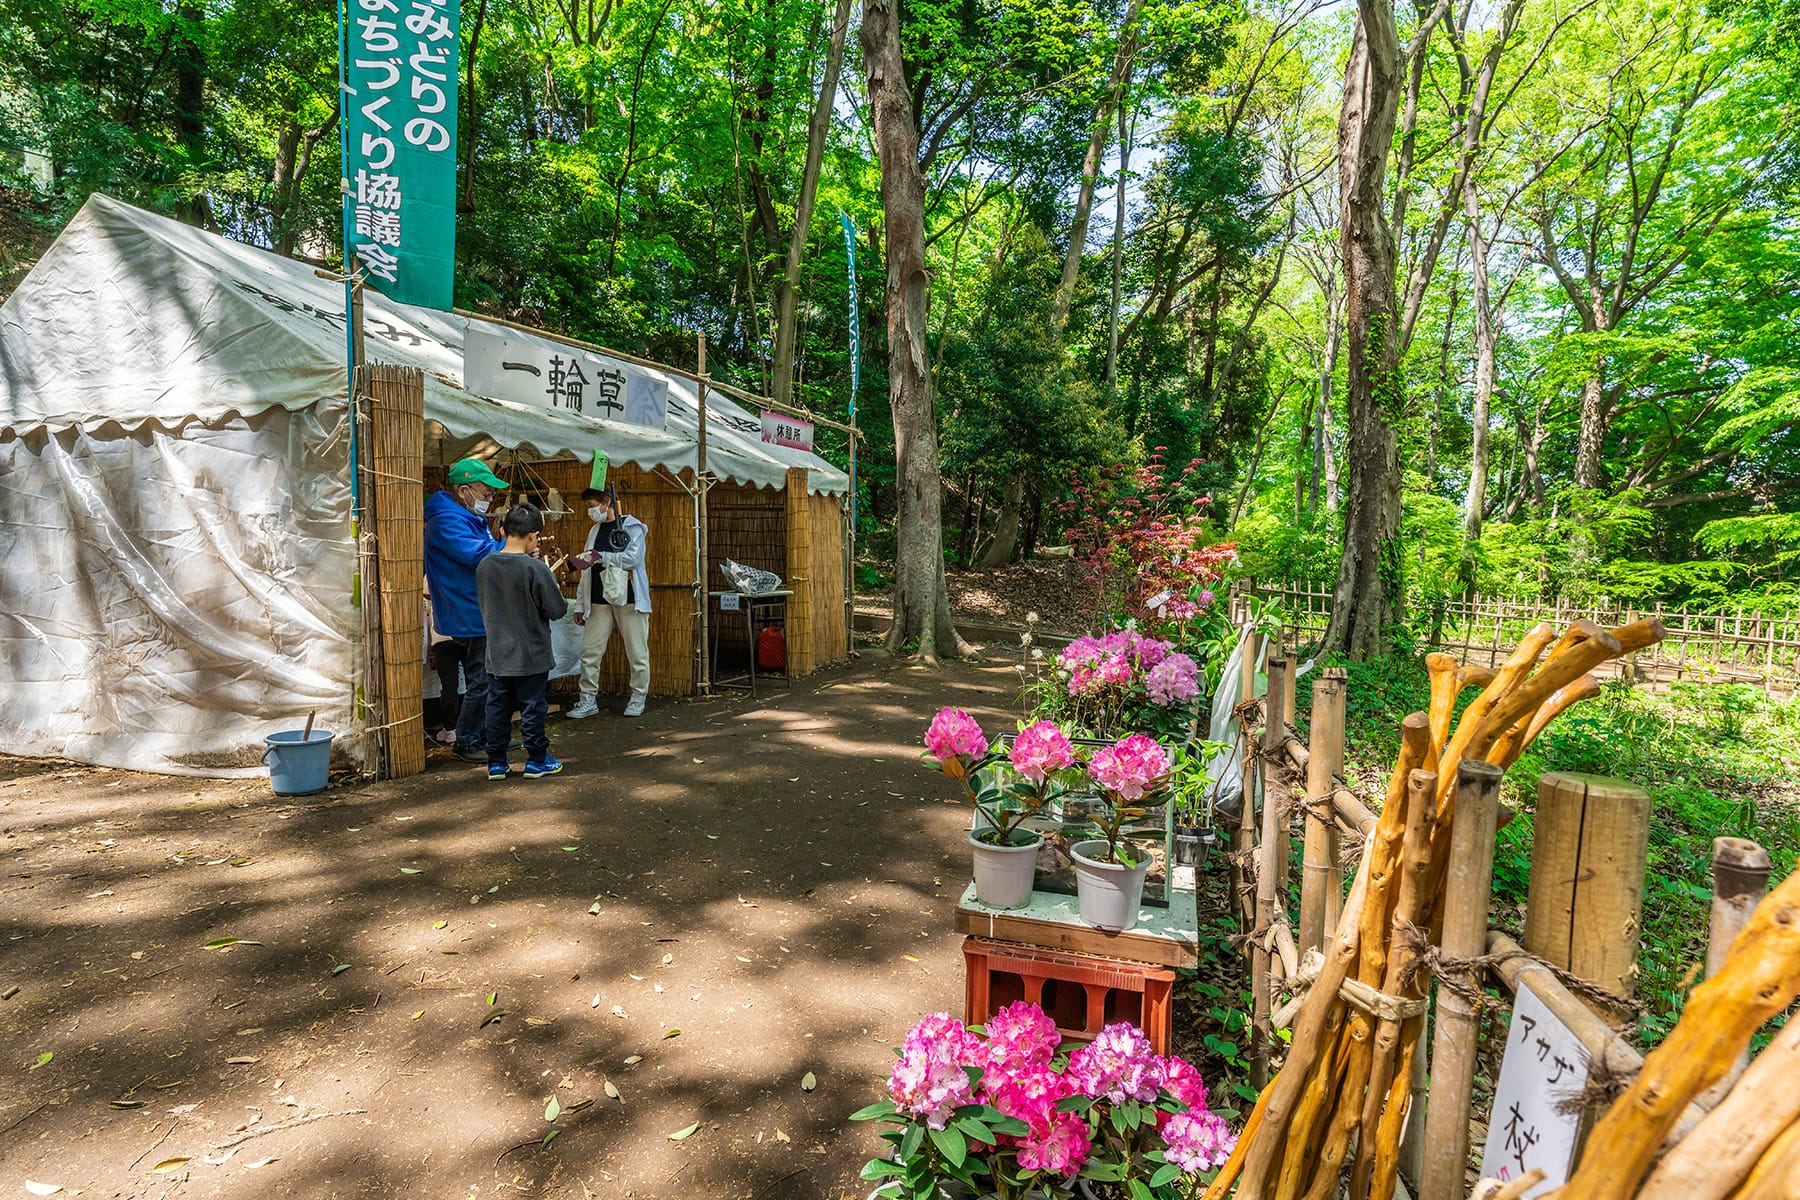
1544	1065
728	602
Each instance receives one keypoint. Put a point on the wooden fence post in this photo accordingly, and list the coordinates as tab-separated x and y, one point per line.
1584	904
800	614
1468	890
1271	858
1325	761
1740	879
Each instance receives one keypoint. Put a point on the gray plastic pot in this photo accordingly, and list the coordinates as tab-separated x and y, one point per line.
1004	875
1109	892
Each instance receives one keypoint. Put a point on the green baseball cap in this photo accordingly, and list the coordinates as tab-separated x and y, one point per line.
473	470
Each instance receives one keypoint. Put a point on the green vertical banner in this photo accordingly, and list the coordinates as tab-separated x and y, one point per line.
855	322
400	148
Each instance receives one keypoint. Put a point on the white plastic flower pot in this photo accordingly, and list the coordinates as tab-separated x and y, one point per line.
1004	875
1109	893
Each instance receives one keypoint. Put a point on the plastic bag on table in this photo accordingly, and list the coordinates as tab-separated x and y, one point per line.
750	580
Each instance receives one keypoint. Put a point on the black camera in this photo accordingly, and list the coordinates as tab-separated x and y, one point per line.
615	540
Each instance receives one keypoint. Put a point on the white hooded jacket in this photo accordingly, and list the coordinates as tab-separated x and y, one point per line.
630	559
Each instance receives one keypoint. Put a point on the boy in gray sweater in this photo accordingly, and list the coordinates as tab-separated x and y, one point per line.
519	598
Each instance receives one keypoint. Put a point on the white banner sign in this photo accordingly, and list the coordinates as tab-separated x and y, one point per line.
549	376
779	429
1543	1066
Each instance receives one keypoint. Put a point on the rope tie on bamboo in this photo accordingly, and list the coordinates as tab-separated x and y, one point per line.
1463	975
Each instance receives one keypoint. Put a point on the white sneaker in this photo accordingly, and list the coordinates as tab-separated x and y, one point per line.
636	707
588	707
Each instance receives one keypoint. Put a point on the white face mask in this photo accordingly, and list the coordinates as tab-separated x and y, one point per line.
480	507
596	514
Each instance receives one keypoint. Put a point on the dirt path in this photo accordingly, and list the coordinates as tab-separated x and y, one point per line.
774	879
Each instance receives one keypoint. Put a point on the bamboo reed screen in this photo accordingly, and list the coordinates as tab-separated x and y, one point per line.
397	521
747	525
830	633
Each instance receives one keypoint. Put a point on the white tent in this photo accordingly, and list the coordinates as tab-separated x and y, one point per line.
174	486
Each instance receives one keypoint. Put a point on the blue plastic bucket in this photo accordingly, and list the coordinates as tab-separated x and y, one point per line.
298	766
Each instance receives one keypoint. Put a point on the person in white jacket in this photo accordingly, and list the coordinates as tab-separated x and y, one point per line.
613	593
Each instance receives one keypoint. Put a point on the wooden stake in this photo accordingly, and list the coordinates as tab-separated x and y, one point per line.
1585	896
1468	891
1740	879
1720	1152
1324	764
1271	855
1759	979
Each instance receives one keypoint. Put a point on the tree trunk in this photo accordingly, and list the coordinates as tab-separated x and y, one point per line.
921	598
1090	166
1369	587
1595	417
293	158
1485	339
1118	249
788	291
1324	458
190	103
1006	534
1443	390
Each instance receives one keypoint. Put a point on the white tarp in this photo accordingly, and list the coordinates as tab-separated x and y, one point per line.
131	317
172	596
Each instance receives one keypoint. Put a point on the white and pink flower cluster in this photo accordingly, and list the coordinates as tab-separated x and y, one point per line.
1111	662
1041	750
955	734
1019	1077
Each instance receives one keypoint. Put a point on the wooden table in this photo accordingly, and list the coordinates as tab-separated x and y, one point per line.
1168	937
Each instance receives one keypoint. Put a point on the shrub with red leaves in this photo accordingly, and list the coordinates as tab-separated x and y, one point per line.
1139	537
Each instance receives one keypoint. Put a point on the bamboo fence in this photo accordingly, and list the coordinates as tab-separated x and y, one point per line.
1735	647
395	465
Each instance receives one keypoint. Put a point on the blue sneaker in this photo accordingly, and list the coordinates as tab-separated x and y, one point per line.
499	770
537	770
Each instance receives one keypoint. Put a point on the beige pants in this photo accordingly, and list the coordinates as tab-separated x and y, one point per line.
634	631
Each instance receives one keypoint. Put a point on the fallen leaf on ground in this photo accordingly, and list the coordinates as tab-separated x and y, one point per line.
171	1164
409	870
418	1014
340	968
126	1103
259	1163
782	1137
808	1082
667	959
681	1135
549	1137
242	1060
612	1089
672	1033
224	942
552	1110
634	1060
42	1060
42	1189
618	1010
439	924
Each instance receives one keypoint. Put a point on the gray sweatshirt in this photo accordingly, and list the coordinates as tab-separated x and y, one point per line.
519	599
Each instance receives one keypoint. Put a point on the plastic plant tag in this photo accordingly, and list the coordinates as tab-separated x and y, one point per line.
598	478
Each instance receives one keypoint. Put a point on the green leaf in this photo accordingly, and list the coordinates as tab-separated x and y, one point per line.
1075	1104
682	1135
1010	1126
1169	1174
552	1110
909	1145
951	1144
222	943
881	1168
409	870
440	924
876	1111
1139	1191
974	1130
340	968
1118	1120
548	1138
42	1060
492	996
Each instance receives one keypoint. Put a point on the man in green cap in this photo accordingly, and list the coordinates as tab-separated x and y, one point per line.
457	538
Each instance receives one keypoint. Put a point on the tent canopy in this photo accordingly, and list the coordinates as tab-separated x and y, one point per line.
134	318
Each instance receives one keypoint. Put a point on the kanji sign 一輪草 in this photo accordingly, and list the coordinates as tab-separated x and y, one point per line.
400	71
530	371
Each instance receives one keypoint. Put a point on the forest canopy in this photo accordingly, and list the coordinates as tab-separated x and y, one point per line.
1131	224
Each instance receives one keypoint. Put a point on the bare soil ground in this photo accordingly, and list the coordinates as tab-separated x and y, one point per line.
421	970
1053	589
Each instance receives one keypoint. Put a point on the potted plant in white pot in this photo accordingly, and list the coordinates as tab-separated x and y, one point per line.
1005	853
1109	872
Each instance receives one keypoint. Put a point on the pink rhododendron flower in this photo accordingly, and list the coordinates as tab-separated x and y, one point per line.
1040	750
1130	766
954	734
1021	1035
929	1080
1184	1083
1174	680
1029	1093
1118	1065
1197	1141
1182	609
1205	599
1061	1150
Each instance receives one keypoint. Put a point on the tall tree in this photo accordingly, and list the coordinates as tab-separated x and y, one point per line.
921	597
1368	591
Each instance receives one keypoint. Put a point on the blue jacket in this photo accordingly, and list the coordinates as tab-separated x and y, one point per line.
456	540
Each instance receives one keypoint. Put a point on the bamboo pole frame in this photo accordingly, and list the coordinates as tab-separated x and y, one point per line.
396	404
1320	891
1270	858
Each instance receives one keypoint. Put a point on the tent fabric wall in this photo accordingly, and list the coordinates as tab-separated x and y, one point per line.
172	594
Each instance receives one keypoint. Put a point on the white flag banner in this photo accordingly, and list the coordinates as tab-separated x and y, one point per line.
544	374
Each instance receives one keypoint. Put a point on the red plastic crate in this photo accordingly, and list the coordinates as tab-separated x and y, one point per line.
1082	993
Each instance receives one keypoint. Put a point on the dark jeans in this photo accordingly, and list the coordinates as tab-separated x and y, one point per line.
524	694
471	653
445	661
